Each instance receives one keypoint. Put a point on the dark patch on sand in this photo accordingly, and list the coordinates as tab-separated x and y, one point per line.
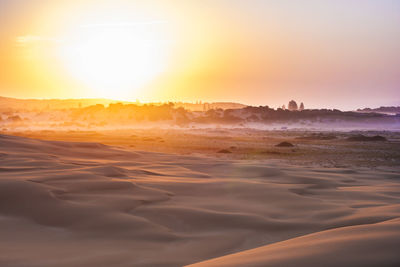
285	144
224	151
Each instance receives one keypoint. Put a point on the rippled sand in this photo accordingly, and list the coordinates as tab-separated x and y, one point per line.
88	204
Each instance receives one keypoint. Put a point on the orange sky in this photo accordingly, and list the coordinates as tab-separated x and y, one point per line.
335	54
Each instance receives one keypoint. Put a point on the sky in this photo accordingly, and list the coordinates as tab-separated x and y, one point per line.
326	53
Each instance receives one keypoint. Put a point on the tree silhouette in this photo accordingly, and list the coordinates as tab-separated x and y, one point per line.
292	105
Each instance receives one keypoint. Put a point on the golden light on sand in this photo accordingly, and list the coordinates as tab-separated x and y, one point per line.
114	60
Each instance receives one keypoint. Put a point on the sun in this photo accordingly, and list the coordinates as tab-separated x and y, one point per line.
114	60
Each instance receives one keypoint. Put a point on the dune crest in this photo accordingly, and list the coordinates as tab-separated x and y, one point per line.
346	246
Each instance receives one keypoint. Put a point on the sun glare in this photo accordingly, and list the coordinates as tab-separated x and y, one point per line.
114	60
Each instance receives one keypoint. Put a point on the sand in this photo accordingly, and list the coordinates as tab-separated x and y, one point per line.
311	148
89	204
364	245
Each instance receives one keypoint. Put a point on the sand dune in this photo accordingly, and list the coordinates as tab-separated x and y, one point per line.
88	204
367	245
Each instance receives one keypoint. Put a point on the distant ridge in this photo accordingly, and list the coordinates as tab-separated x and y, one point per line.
386	110
31	104
42	104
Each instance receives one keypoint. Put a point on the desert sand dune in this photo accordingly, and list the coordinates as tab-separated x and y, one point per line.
88	204
347	246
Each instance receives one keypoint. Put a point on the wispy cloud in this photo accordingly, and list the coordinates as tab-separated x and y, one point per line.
123	24
31	39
